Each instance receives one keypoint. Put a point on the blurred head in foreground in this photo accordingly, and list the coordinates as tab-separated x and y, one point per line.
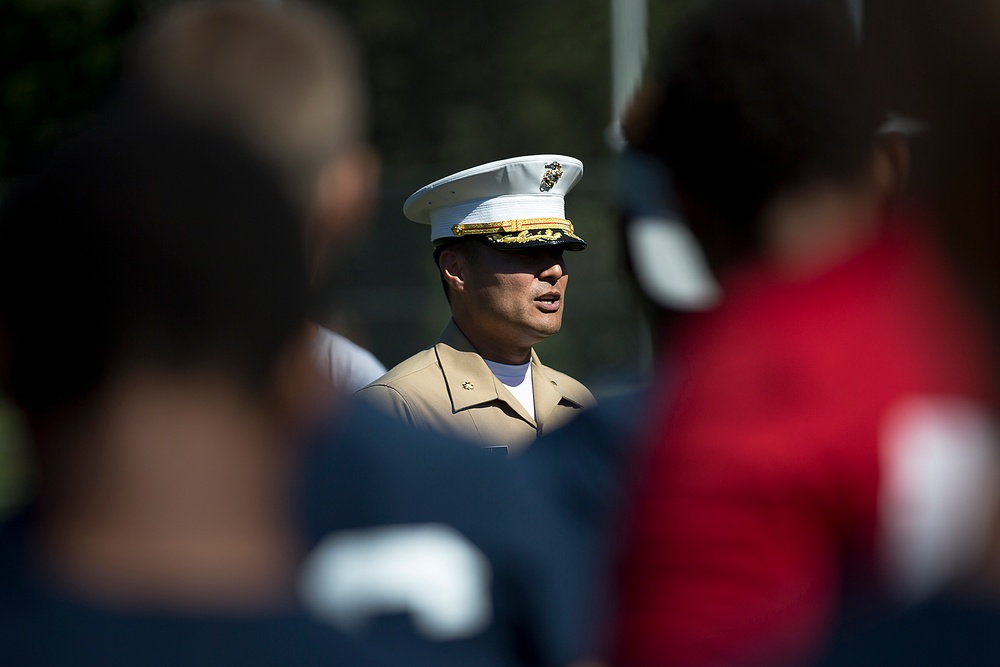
798	389
150	243
750	118
152	301
288	80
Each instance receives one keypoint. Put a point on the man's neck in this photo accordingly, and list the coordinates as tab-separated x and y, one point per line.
812	230
503	352
185	505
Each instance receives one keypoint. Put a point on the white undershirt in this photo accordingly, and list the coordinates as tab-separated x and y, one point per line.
518	380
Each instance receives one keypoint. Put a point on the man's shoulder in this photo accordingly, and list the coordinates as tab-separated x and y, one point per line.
411	371
411	390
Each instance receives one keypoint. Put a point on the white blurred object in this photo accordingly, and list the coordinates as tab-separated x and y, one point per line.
856	12
430	571
669	265
907	126
938	492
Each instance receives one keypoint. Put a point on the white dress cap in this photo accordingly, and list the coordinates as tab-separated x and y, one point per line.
510	203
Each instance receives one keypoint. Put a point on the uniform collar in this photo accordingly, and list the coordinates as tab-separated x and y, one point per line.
471	382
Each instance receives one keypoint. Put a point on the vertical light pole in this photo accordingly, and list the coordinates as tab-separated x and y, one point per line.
629	49
628	59
856	10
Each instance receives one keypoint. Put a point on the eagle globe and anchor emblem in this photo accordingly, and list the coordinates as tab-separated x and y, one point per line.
553	172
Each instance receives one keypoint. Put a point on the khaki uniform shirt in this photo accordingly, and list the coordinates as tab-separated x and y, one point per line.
449	389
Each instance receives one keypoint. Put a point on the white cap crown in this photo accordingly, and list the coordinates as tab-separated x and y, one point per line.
514	202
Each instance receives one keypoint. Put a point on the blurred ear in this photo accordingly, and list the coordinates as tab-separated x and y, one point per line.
347	194
6	356
343	207
891	167
302	396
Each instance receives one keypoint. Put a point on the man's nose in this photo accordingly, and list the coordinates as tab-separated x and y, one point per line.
554	271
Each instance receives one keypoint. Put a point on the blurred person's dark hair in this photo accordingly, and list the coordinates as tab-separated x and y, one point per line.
771	98
138	244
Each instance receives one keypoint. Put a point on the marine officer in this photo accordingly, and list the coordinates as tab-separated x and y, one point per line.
499	231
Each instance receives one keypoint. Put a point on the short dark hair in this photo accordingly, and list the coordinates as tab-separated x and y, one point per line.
758	97
146	242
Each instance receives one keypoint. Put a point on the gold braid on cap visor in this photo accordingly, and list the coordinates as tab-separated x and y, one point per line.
523	231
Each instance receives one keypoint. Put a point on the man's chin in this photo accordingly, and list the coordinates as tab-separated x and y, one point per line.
546	329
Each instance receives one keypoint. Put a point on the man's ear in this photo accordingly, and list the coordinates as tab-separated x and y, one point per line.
453	266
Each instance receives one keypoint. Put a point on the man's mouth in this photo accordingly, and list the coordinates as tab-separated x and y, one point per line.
548	302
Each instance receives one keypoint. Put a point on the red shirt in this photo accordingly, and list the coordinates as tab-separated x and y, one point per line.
764	452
